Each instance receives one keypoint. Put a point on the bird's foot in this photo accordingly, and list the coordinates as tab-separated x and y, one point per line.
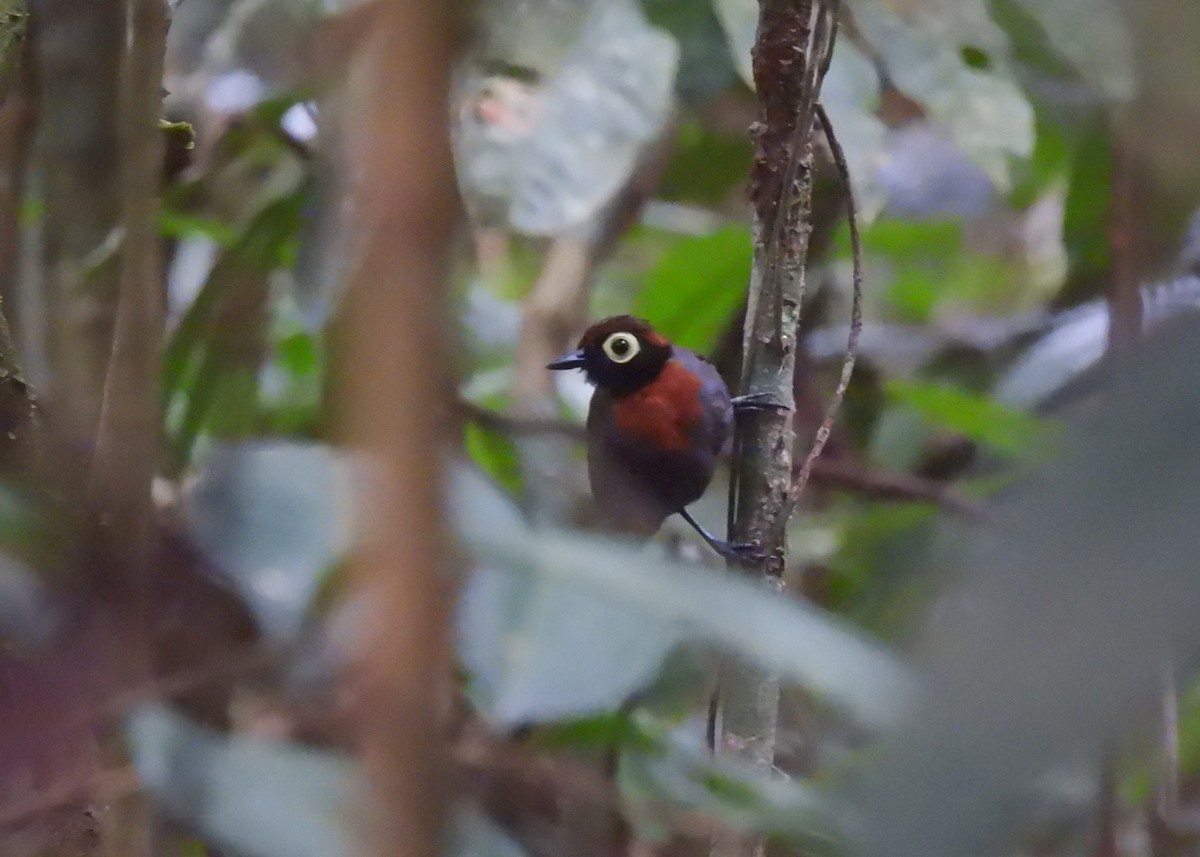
748	552
757	402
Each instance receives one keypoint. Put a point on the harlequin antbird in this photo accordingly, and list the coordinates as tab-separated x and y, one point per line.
660	418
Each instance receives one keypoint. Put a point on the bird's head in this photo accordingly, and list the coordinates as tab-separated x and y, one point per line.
620	354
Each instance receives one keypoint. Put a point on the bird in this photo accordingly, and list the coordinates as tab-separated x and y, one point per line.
658	423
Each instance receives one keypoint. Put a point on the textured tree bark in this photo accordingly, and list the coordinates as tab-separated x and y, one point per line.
394	399
786	76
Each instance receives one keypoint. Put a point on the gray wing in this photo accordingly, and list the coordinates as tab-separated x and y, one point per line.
716	428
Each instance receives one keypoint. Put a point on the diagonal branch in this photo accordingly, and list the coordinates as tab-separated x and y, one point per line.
823	432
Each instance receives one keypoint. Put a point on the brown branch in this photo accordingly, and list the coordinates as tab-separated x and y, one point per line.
394	401
1124	295
891	485
829	474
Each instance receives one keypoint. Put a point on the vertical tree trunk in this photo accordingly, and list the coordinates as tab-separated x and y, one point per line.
394	398
101	153
786	77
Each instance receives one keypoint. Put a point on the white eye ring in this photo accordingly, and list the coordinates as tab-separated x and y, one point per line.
621	347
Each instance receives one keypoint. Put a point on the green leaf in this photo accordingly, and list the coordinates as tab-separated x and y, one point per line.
247	795
976	416
267	514
706	166
696	286
563	625
684	778
494	454
1088	210
601	731
541	648
1094	38
984	111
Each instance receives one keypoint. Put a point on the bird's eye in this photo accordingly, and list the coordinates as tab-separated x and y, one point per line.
621	347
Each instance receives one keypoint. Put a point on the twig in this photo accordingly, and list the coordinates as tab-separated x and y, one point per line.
823	432
554	310
550	313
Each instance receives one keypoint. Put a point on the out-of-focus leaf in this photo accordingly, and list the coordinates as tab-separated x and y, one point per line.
1088	211
1094	37
977	103
260	37
705	67
530	34
244	794
706	166
973	415
1078	341
494	454
547	157
651	603
687	778
696	286
540	648
28	615
740	21
272	516
214	355
927	48
600	731
473	834
925	175
850	95
1050	650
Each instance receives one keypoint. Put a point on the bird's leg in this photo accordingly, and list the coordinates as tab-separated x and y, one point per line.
756	402
746	551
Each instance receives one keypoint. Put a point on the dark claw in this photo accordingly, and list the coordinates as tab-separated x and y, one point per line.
741	551
749	552
757	402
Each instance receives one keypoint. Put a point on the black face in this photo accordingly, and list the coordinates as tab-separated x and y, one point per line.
620	354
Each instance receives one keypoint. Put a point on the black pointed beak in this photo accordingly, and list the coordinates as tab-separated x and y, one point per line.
574	360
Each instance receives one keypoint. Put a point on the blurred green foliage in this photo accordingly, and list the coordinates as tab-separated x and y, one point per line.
586	644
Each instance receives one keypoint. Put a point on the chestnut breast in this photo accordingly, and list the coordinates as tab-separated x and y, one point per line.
653	451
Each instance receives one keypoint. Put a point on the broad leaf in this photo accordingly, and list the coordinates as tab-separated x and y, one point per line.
545	156
623	603
269	514
252	796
